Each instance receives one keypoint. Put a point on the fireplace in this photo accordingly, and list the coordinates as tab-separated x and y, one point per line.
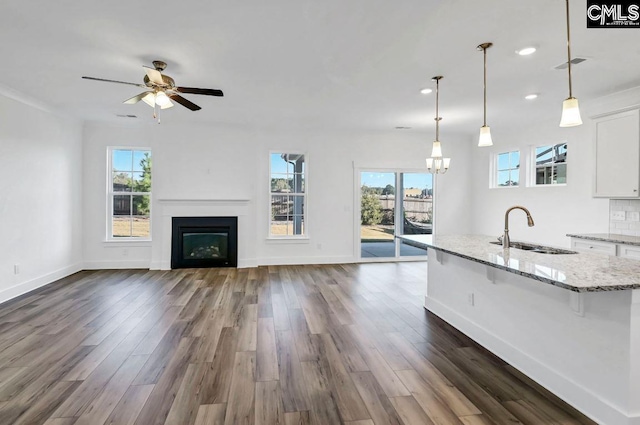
204	242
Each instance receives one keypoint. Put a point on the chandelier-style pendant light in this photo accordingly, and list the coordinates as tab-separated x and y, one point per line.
437	164
570	109
485	130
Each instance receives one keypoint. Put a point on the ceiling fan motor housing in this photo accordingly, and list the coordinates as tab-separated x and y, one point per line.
168	82
159	65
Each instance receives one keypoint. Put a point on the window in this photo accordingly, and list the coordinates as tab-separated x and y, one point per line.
287	195
129	193
507	169
551	164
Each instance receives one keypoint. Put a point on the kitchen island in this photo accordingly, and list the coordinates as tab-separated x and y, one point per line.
569	321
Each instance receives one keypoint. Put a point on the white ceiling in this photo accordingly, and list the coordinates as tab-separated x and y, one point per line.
356	64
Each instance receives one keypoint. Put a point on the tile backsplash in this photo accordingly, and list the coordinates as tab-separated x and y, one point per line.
624	217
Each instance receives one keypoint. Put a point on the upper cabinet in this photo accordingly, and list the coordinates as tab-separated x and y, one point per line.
617	140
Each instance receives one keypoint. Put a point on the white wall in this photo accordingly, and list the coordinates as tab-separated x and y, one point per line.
453	194
40	197
215	162
556	210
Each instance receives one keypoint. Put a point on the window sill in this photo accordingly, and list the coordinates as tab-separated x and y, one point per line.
289	240
505	187
127	242
549	185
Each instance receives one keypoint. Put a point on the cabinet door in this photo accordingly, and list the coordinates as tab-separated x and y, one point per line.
584	245
629	251
618	155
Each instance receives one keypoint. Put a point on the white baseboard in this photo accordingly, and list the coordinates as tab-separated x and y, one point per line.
30	285
247	263
289	261
569	391
156	265
107	265
166	265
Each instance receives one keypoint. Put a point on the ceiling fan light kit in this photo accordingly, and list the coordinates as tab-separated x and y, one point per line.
161	90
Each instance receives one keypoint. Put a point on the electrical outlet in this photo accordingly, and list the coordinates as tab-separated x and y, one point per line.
618	215
470	299
16	269
125	252
319	246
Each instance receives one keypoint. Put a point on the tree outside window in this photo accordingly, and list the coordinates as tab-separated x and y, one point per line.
130	193
507	169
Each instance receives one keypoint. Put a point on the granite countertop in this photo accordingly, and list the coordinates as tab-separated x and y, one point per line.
607	237
582	272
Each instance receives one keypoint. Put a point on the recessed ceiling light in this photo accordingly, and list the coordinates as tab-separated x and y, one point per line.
531	96
426	91
526	51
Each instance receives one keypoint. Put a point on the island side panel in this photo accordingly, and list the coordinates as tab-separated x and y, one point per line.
585	360
634	375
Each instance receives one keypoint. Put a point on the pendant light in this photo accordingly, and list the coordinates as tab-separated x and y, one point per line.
570	109
485	130
437	164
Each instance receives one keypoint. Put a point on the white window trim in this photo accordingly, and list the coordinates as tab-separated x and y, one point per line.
109	239
533	167
493	170
305	212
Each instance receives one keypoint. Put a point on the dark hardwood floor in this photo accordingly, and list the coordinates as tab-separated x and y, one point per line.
324	345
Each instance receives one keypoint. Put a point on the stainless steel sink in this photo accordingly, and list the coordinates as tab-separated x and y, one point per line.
539	249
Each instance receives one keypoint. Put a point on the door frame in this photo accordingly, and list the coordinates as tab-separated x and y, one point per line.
357	245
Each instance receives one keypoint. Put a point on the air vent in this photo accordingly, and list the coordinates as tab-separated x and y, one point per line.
403	128
574	61
126	116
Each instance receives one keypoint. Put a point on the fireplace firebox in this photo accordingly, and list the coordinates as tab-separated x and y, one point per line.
204	242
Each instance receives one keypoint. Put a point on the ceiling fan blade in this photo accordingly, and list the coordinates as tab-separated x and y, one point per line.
154	75
114	81
184	102
137	98
192	90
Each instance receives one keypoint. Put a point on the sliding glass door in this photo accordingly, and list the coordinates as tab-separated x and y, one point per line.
391	204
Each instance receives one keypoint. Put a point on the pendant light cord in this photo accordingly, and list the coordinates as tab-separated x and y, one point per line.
437	119
485	86
569	51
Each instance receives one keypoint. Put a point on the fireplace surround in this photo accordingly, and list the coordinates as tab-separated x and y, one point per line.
204	242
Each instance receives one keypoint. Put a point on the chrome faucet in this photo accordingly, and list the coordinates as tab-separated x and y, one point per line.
506	242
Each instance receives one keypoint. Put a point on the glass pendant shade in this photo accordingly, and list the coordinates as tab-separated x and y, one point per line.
570	113
162	98
150	99
436	151
438	165
485	136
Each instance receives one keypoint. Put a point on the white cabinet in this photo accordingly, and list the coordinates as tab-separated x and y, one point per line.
617	153
608	248
585	245
629	251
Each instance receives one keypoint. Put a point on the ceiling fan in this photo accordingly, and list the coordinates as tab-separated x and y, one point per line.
161	89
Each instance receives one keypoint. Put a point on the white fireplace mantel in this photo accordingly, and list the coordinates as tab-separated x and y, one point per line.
167	208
